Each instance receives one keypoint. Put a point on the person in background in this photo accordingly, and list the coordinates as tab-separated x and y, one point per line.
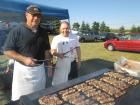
28	44
66	48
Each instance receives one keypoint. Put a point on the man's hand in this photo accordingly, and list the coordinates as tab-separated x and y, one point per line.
29	61
55	53
18	57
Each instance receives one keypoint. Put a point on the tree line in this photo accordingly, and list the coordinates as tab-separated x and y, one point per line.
101	28
96	27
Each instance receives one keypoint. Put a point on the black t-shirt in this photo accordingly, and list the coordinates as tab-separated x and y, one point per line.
22	40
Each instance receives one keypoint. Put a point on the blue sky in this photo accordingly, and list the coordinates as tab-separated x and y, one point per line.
114	13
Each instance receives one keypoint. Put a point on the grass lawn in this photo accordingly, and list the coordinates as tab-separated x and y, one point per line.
94	57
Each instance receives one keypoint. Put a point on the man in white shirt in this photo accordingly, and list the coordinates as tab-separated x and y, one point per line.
66	48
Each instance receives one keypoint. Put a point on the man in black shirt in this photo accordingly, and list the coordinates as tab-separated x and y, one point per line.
28	45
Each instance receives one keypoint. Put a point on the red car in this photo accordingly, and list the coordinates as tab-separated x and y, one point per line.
128	42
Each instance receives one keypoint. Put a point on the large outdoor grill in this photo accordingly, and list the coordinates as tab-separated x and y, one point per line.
84	88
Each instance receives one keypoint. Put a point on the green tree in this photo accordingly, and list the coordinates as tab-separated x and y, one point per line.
102	27
133	29
56	25
51	24
83	27
87	27
138	29
122	30
95	27
114	30
107	29
76	26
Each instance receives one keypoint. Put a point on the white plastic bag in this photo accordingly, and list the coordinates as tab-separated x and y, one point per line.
128	66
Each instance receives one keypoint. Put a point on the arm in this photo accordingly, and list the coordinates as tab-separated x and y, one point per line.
10	47
55	53
16	56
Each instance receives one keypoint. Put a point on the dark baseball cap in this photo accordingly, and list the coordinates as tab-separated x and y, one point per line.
33	9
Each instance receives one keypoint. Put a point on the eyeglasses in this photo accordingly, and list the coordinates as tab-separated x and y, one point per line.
36	15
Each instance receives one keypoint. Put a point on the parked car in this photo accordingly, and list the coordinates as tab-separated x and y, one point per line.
129	42
88	36
108	36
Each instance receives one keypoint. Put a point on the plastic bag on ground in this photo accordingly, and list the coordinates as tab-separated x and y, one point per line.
128	66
